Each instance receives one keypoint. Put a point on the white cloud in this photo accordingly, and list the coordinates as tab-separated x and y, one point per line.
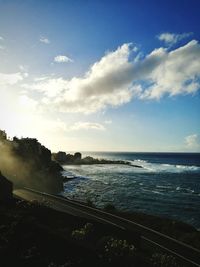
50	87
11	78
44	40
23	68
1	46
38	79
27	102
116	79
107	83
175	72
193	142
62	59
56	126
86	126
108	121
172	38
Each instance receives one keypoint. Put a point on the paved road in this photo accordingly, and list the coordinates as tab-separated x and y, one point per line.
149	238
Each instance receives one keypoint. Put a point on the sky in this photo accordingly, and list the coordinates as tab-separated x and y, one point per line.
101	75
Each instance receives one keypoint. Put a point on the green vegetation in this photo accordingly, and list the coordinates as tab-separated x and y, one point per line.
174	228
164	260
118	248
32	234
83	233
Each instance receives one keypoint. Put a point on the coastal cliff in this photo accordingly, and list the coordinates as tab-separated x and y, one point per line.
27	163
6	188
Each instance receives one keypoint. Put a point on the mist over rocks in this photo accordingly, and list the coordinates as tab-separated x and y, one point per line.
27	163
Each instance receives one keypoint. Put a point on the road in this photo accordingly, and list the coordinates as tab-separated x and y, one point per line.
149	238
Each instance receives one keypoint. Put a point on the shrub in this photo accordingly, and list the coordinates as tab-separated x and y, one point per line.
83	233
164	260
118	248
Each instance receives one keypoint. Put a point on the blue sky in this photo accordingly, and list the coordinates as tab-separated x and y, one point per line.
101	75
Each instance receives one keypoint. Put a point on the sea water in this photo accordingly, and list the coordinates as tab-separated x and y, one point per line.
168	184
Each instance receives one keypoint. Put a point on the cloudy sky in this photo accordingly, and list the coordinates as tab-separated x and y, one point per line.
101	75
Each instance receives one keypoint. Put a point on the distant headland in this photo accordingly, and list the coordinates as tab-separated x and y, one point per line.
69	159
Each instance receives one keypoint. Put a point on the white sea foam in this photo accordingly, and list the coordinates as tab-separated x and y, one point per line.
157	167
163	186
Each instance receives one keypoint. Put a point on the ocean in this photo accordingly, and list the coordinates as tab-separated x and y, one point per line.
168	185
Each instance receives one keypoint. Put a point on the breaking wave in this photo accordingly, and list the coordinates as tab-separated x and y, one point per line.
157	167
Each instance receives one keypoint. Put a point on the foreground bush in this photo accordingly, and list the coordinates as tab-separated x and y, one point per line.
164	260
82	233
114	250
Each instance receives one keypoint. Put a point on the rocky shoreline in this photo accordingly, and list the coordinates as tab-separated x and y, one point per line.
76	159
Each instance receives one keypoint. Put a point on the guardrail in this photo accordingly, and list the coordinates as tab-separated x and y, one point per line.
186	253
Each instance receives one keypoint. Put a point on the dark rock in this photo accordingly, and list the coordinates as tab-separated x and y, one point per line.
31	150
55	167
28	163
3	135
136	166
69	159
6	188
87	160
77	156
60	156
